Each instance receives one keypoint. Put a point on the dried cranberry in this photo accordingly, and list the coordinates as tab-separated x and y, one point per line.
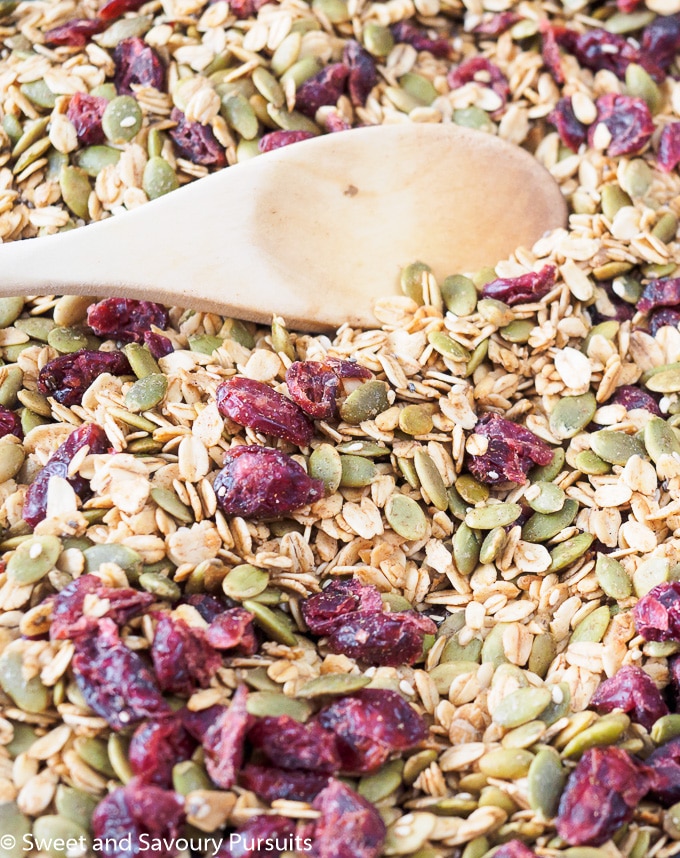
246	8
68	619
223	741
198	723
674	671
137	63
260	837
512	451
334	122
663	318
157	344
279	139
325	87
195	142
601	795
482	71
572	132
665	777
182	658
550	52
271	783
524	289
313	385
370	726
657	613
256	405
387	639
598	49
627	6
291	745
209	607
113	9
67	377
88	435
633	691
663	292
632	397
362	76
113	679
85	112
514	849
76	33
138	814
411	34
233	628
628	120
349	826
497	24
326	610
661	40
157	746
260	482
10	423
126	319
668	152
609	305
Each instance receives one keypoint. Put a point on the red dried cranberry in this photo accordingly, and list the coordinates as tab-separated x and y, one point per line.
609	305
674	670
627	6
126	319
209	607
271	783
157	344
363	75
137	63
195	142
67	377
514	849
572	132
383	639
291	745
657	613
85	112
245	8
411	34
325	87
115	8
632	397
326	610
68	620
550	52
313	384
233	628
665	772
76	33
598	49
661	40
497	24
198	723
633	691
260	482
482	71
601	795
663	292
223	741
628	120
279	139
88	435
157	746
334	122
370	726
113	679
182	658
524	289
663	318
260	837
349	826
256	405
139	814
668	152
513	450
10	423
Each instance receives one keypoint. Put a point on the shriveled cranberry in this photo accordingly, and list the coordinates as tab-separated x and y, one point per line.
601	795
334	122
657	613
85	112
668	152
550	52
138	814
279	139
88	435
627	6
113	679
482	71
313	385
260	482
137	63
68	620
325	87
270	783
260	837
157	746
663	318
67	377
514	849
497	24
157	344
631	690
10	424
370	726
223	741
512	451
632	397
113	9
661	40
665	772
195	142
349	826
362	76
609	305
76	33
628	120
246	8
289	744
674	671
256	405
387	639
182	658
599	50
199	723
326	610
664	292
126	319
233	628
572	132
524	289
209	607
411	34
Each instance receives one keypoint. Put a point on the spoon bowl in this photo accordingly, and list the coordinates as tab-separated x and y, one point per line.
313	232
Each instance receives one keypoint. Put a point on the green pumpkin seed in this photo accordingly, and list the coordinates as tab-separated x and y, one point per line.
333	684
122	119
550	498
205	344
416	764
406	518
415	420
518	331
402	100
568	552
188	777
93	159
28	694
37	327
357	471
135	420
545	782
453	651
75	190
665	379
650	573
660	439
141	360
383	783
476	848
492	649
128	559
12	457
325	464
589	463
506	763
412	280
67	340
378	39
560	706
268	86
443	674
15	826
94	752
641	846
301	71
265	704
495	312
365	403
640	84
431	479
30	155
274	623
524	736
612	577
33	130
613	198
541	527
118	750
29	420
605	731
471	490
477	357
23	737
665	229
493	796
592	628
448	347
38	92
125	28
74	804
168	501
665	728
521	706
473	117
548	473
408	833
245	582
492	544
160	585
12	127
459	294
494	515
362	448
240	116
571	414
146	393
33	559
158	178
418	87
466	549
628	288
292	121
10	310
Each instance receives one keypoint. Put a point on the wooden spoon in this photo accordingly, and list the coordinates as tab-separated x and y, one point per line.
313	232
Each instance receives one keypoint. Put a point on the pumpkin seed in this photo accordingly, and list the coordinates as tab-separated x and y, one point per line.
37	327
158	178
245	582
10	310
365	403
466	550
33	559
122	119
476	848
521	706
94	752
541	527
568	552
268	86
362	448
459	294
453	651
110	552
141	360
38	92
118	750
640	84
15	826
606	730
266	704
642	843
495	312
160	585
548	473
378	39
471	490
75	190
416	764
56	832
524	736
30	155
613	198
406	517
660	439
23	737
274	623
443	674
135	420
431	479
506	763
415	420
447	346
168	501
146	393
258	679
550	498
125	28
518	331
67	340
665	229
477	357
12	457
665	379
492	649
494	515
473	117
74	804
240	116
589	463
325	464
592	628
333	684
584	852
612	577
28	694
33	130
561	702
492	544
188	777
93	159
292	121
301	71
545	782
493	796
571	414
383	783
356	471
665	728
